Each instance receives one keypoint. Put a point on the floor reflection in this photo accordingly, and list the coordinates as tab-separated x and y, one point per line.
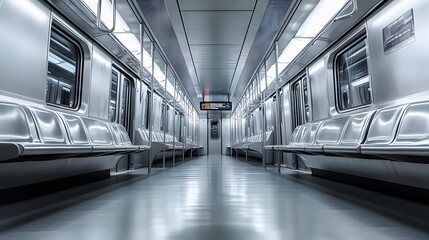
215	197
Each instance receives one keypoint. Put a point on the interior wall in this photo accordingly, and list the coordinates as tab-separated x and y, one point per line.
203	135
226	134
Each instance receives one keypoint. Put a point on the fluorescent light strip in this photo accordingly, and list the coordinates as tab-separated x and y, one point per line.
293	49
271	74
124	35
319	17
310	28
295	46
263	84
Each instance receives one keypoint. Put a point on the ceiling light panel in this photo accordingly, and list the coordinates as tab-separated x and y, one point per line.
216	5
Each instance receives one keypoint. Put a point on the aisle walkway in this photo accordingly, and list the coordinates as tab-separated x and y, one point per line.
214	198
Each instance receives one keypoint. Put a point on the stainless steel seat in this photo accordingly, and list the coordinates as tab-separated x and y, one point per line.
32	134
400	134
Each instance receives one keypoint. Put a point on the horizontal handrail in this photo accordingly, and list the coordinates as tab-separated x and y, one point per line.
350	14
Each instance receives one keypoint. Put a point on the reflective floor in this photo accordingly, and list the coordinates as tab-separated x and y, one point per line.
215	197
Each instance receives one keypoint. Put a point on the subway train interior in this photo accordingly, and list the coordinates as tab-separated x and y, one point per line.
214	119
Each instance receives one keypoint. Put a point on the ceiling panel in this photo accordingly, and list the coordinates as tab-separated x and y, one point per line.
215	80
216	27
215	56
217	5
180	26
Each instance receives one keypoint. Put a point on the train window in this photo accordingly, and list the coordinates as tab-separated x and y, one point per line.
306	102
353	80
252	125
177	128
124	114
214	130
162	116
297	103
147	109
64	61
65	96
113	103
300	101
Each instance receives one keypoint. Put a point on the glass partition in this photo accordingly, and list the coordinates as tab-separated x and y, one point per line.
270	64
147	53
255	89
170	82
159	68
262	78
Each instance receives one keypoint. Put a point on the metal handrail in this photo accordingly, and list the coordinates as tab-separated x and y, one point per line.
350	14
98	18
329	25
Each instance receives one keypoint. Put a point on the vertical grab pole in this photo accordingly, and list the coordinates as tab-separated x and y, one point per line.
277	130
141	61
152	50
263	120
164	119
265	109
247	127
184	129
192	133
141	78
231	134
239	129
174	124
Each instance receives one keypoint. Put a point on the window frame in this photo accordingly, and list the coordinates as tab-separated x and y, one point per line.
218	130
299	116
73	38
147	105
115	72
342	49
125	98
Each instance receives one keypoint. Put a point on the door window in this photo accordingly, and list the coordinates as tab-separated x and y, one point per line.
214	130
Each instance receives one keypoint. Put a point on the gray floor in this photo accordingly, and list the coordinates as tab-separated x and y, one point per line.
215	198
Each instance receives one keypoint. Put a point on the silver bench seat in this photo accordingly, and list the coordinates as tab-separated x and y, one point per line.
101	138
284	148
122	139
254	146
341	136
400	134
158	146
354	133
382	131
297	142
33	134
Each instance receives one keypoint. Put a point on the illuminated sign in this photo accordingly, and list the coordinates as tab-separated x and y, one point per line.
226	106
